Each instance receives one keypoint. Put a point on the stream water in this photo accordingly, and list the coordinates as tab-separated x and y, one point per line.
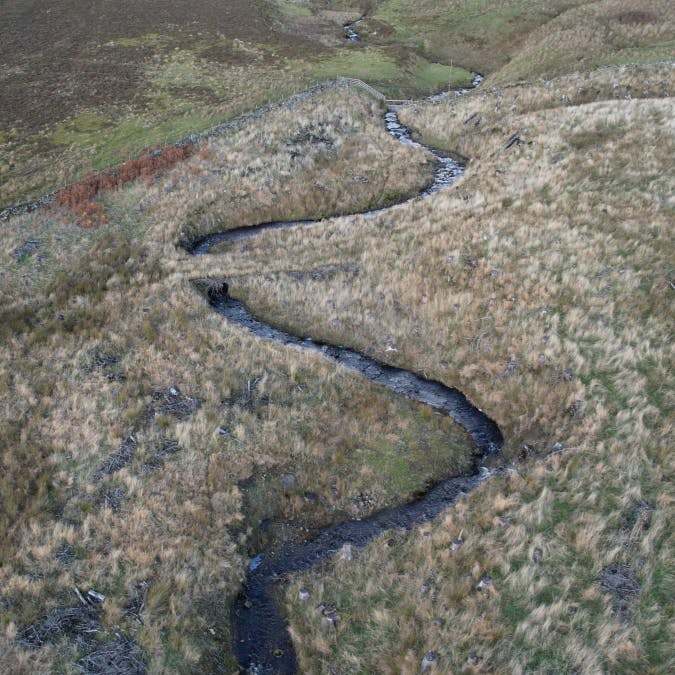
447	170
262	643
350	33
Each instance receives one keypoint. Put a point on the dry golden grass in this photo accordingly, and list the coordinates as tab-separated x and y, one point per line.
592	35
304	164
541	285
84	356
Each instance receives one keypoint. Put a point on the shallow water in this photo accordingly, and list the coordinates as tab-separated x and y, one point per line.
350	32
447	171
262	643
261	639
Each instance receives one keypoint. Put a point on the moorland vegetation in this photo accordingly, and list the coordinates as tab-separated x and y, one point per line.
150	449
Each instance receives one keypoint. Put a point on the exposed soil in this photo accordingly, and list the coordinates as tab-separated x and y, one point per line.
619	580
80	625
637	17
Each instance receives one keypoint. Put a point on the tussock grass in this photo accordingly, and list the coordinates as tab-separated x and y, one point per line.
592	35
538	286
99	324
541	285
298	166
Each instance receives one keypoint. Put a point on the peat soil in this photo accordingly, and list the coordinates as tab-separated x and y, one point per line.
262	643
66	55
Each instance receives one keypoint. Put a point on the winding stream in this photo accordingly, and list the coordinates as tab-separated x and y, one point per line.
350	33
448	169
262	643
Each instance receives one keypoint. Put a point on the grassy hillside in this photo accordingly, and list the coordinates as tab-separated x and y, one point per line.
149	448
541	287
127	77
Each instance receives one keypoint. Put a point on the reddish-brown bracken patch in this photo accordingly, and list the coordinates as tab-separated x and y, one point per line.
79	196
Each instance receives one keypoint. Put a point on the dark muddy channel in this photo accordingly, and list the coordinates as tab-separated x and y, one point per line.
261	638
262	643
446	171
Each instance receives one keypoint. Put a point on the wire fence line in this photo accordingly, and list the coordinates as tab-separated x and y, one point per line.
218	130
339	82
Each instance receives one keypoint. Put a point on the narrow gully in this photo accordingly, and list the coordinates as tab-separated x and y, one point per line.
261	641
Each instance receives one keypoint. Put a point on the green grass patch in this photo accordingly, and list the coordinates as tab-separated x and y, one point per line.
643	54
662	588
588	139
131	137
547	660
547	595
395	77
147	40
435	76
81	130
560	511
658	638
369	64
184	69
513	608
656	387
291	10
393	469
